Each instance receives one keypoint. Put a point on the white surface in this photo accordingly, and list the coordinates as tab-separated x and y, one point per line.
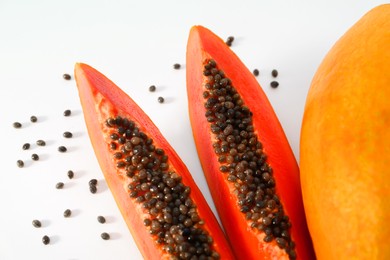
135	43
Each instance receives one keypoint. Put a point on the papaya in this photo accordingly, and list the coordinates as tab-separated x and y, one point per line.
345	144
247	161
163	208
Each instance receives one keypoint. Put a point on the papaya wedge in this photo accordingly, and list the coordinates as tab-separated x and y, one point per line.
247	161
160	202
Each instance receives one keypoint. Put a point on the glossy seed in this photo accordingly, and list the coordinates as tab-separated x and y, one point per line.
66	76
45	240
101	219
20	163
93	189
67	213
274	73
36	223
93	182
17	125
176	66
67	134
41	143
26	146
160	100
34	157
274	84
70	174
33	119
105	236
256	72
59	185
152	88
67	112
62	149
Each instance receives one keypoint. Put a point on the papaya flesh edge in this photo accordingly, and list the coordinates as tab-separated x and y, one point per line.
101	98
345	144
247	243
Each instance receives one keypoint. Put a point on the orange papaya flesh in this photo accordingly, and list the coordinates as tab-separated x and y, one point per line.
163	208
248	164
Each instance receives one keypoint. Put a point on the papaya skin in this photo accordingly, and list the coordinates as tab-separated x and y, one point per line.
345	144
101	98
247	242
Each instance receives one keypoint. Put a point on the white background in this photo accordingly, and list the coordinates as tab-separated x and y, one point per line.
135	43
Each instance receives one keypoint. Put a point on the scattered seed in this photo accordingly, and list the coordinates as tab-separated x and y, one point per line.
20	163
274	73
59	185
176	66
93	189
17	125
33	119
41	143
160	100
67	112
256	72
66	76
105	236
62	149
274	84
70	174
152	88
36	223
45	240
26	146
35	157
93	182
229	40
67	213
67	134
101	219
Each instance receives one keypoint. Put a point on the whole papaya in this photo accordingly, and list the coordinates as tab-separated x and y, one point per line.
345	144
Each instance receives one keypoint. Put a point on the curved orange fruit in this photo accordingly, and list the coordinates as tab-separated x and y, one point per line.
345	144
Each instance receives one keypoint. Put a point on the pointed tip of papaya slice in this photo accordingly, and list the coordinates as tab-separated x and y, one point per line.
160	202
218	85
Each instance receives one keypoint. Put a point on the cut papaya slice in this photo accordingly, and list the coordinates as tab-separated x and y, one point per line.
160	202
247	161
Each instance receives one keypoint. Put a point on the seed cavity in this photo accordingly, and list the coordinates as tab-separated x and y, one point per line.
242	159
171	215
